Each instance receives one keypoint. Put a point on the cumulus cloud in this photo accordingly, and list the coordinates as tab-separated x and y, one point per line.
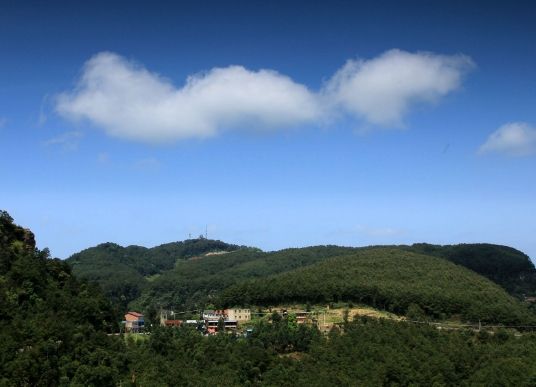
514	138
128	101
383	89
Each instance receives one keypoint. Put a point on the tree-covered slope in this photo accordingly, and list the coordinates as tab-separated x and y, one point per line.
504	265
364	352
387	278
382	353
127	274
193	283
122	271
53	328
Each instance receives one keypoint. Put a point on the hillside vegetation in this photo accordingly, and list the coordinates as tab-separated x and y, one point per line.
52	326
193	284
390	279
364	352
122	272
173	276
506	266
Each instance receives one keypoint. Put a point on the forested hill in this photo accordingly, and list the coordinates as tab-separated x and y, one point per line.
172	275
390	279
506	266
53	328
122	272
194	283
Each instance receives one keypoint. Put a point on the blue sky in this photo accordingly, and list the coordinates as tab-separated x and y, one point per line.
274	124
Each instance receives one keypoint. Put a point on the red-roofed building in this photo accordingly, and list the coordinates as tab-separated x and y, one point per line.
134	322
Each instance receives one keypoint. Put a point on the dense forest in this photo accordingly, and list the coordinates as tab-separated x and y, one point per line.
508	267
123	272
191	274
193	284
56	331
364	352
53	327
389	279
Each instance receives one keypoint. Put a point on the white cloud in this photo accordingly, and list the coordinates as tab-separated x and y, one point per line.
383	89
514	138
3	122
68	141
128	101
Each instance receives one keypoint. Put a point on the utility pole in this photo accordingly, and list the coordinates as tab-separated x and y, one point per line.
206	231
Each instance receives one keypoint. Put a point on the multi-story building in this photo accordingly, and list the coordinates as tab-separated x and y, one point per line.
134	322
238	314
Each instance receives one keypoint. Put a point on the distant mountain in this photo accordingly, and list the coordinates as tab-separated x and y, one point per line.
123	272
387	278
172	275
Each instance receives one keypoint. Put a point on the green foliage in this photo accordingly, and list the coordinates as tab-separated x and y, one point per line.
504	265
415	313
52	326
123	272
168	276
375	352
193	284
165	276
390	279
368	352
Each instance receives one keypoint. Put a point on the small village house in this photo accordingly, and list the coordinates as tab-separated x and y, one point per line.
134	322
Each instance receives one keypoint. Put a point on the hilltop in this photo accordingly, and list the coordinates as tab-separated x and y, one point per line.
468	281
122	272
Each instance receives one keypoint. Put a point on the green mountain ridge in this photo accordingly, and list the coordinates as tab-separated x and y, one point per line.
193	284
122	271
390	279
183	283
